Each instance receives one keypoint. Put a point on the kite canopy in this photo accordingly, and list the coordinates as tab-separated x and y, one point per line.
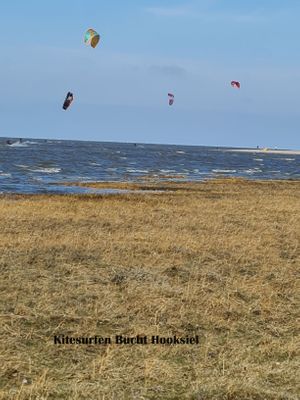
235	84
91	38
171	99
68	100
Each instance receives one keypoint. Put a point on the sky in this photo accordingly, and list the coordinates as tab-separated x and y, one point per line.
192	48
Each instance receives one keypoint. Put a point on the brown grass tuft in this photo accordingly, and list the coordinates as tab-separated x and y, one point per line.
218	259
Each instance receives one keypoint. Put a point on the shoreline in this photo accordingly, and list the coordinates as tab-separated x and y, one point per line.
150	186
265	151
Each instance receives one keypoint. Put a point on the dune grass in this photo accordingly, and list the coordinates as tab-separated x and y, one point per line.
217	259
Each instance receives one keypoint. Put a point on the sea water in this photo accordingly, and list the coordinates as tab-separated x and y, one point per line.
42	166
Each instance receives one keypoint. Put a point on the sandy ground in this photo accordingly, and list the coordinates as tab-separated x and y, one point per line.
266	151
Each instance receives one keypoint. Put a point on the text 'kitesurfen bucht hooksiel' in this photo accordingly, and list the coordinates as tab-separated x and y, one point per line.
126	340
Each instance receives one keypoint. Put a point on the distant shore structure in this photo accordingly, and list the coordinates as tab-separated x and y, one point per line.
264	150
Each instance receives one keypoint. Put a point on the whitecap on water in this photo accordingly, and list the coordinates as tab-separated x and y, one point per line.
22	166
46	170
18	144
137	170
251	171
223	171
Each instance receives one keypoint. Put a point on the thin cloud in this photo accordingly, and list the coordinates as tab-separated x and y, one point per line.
169	11
170	70
234	18
182	11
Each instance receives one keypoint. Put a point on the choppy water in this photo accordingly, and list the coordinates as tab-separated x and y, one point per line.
38	166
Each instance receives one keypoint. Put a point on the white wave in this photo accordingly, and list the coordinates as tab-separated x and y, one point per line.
22	165
287	159
167	170
252	170
18	144
5	174
180	152
137	170
258	159
46	170
223	171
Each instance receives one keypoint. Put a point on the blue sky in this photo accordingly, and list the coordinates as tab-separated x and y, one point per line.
148	48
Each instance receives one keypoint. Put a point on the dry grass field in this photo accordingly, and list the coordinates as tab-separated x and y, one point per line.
217	259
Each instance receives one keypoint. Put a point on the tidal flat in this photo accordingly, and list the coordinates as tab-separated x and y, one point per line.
217	260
